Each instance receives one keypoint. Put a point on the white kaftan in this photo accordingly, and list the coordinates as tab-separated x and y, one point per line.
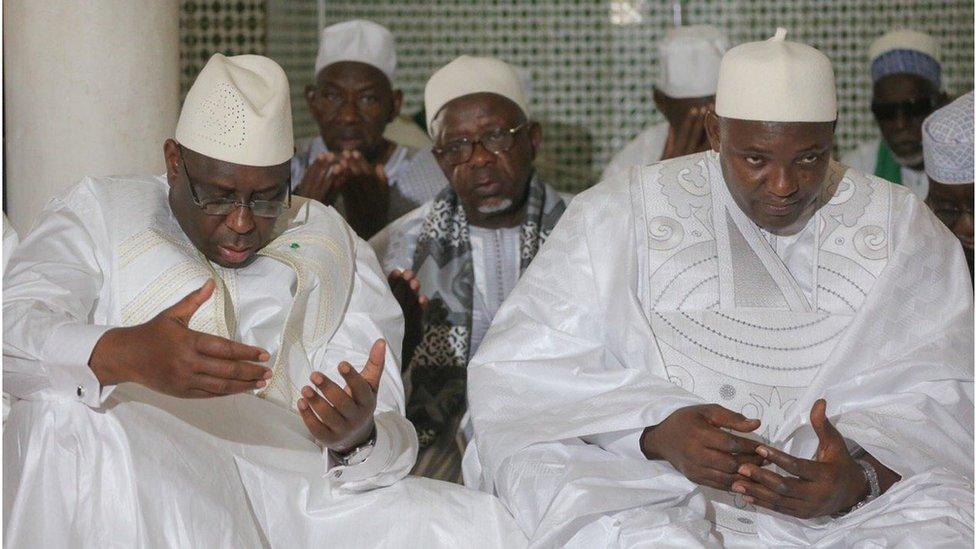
238	471
655	292
643	150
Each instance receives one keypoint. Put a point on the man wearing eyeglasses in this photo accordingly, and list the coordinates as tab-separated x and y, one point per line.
351	165
906	73
459	255
136	300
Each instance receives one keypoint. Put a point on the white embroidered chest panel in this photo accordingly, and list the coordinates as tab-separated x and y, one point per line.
748	350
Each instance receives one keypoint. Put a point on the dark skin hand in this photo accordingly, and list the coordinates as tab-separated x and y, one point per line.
406	289
341	418
365	192
830	483
492	187
775	171
686	118
692	439
904	133
166	356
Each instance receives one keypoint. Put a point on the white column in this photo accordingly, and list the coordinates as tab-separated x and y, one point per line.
90	88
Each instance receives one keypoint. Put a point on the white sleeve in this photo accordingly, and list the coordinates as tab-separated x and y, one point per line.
372	314
50	289
395	244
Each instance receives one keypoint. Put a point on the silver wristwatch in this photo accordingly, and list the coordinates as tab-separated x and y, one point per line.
357	455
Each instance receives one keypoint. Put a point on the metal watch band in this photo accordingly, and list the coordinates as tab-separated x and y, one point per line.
872	475
356	455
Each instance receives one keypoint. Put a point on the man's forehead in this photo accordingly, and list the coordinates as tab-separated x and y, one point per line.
353	75
478	109
799	134
895	87
228	175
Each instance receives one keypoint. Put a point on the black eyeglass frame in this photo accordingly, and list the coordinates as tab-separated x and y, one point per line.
913	108
232	204
512	132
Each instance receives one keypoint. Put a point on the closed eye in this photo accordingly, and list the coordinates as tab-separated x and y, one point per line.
755	160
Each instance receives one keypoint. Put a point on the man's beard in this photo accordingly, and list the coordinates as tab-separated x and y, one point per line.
909	161
498	207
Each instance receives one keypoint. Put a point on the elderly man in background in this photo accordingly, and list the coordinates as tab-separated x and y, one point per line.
350	164
461	253
751	346
947	137
906	76
688	59
135	301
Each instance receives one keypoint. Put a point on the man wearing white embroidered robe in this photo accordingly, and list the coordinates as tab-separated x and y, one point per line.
656	376
462	252
351	164
135	299
688	60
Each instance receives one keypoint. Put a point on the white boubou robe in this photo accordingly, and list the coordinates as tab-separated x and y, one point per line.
86	465
656	292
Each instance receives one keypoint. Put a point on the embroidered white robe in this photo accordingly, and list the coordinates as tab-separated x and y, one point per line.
86	465
655	292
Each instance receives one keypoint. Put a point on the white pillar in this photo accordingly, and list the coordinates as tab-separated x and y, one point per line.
91	87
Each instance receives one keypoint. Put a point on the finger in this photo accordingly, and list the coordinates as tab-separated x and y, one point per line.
233	369
340	398
327	414
415	285
423	300
409	274
720	461
718	439
781	485
758	494
316	427
720	416
184	309
356	386
802	468
224	386
395	274
381	174
754	459
715	478
373	370
218	347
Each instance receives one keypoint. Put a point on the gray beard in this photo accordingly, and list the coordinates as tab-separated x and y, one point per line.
496	208
909	161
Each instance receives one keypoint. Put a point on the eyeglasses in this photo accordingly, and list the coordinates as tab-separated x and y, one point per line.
914	108
498	141
225	205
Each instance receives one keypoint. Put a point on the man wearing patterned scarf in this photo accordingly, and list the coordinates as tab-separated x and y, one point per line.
906	73
461	253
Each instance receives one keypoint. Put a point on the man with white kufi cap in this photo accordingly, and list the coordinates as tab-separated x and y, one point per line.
665	369
906	77
136	300
455	259
688	59
351	165
947	136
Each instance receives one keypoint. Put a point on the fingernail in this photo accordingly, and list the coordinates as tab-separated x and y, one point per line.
344	368
762	451
317	378
302	404
307	392
743	470
738	488
264	357
268	374
261	383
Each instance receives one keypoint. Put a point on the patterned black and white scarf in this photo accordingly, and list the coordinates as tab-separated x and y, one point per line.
438	369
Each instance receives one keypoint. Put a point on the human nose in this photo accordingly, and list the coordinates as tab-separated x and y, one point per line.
481	156
241	220
781	182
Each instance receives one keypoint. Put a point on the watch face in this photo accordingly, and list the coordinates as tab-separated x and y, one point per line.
358	455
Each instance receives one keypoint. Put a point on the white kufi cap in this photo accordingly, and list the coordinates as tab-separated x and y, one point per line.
357	40
689	59
947	139
776	81
467	75
239	110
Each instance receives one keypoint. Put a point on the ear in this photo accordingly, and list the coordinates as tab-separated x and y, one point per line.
713	129
535	137
171	155
397	104
661	101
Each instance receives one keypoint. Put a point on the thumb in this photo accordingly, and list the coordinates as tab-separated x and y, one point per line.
184	309
373	370
381	172
830	437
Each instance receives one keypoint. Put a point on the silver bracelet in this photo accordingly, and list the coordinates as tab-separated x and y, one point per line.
874	487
